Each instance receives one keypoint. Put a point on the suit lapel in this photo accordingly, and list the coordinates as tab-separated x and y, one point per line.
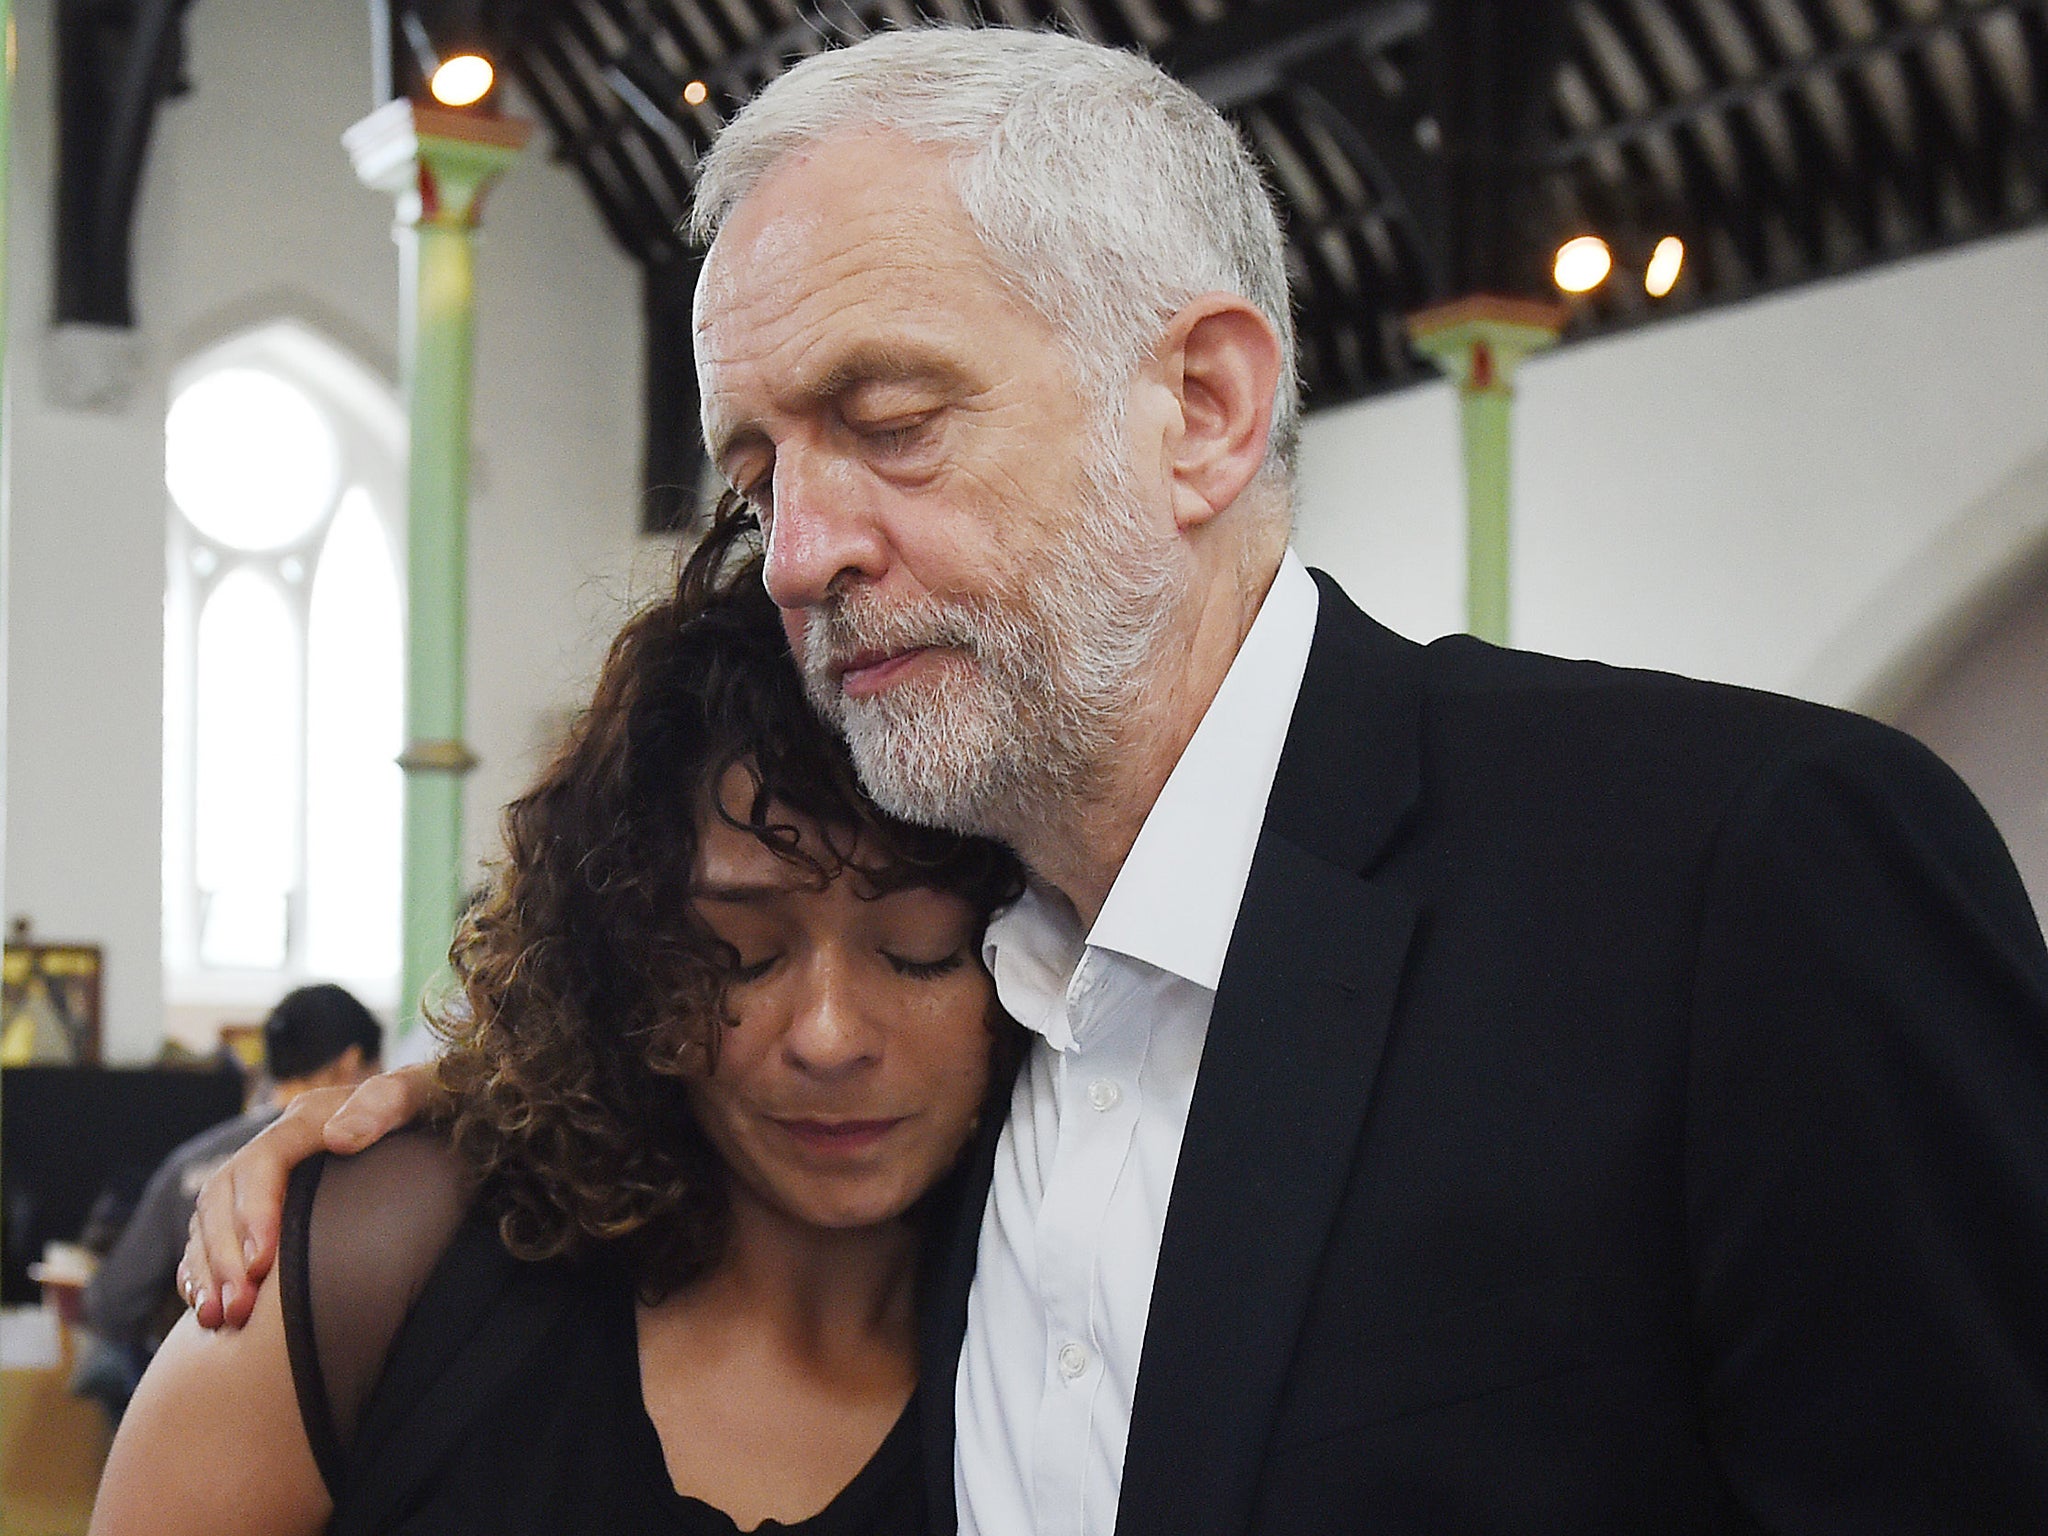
1294	1043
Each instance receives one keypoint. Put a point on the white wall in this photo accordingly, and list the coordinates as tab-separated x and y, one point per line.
1802	494
1987	714
249	211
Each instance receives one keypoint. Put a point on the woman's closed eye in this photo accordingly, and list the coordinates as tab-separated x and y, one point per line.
925	970
743	969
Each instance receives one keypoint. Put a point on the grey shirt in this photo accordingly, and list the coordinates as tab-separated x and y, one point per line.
129	1289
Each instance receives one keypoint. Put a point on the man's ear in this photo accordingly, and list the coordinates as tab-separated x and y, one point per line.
1220	360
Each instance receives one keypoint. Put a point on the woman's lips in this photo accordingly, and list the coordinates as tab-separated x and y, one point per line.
838	1137
871	671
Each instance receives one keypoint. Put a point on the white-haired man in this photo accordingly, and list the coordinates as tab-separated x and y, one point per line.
1473	1092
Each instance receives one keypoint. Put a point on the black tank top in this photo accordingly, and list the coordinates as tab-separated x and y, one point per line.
449	1387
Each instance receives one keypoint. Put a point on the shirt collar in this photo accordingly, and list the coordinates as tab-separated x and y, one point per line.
1175	901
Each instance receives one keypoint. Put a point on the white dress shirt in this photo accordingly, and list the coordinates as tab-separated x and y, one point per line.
1084	1168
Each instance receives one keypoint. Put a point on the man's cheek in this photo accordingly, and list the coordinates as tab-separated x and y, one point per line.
795	622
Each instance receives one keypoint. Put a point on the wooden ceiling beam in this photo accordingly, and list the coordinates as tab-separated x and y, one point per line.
117	61
1826	168
1380	140
614	205
835	21
2032	138
1759	174
596	149
1252	51
1713	187
1940	140
1838	60
1991	137
1592	193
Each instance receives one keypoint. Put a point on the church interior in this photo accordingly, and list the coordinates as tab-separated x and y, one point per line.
1708	336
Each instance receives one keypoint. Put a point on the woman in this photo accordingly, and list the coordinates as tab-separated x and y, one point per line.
723	1028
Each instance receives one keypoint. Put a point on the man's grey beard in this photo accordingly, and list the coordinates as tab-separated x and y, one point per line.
1022	733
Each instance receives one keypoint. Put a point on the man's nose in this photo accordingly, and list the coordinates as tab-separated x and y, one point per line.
831	1030
822	527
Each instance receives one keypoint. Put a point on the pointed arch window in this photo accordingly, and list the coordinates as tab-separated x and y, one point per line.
284	675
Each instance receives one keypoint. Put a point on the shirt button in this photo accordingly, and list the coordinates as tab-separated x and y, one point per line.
1104	1094
1073	1360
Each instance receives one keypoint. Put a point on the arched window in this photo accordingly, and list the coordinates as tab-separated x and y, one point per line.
283	674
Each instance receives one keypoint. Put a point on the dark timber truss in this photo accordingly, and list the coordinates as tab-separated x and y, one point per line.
1423	149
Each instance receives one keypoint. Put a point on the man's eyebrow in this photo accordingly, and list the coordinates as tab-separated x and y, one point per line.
721	438
883	364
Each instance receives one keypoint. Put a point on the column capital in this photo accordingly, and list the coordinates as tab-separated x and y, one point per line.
437	163
1479	342
438	756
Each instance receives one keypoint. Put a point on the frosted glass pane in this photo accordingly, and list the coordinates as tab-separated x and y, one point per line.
249	458
243	929
246	803
354	790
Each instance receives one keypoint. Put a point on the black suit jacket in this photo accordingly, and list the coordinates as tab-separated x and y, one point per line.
1625	1109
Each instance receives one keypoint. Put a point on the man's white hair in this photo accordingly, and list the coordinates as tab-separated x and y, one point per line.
1106	192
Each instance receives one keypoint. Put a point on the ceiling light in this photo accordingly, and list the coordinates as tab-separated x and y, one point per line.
462	80
1666	262
1582	264
695	92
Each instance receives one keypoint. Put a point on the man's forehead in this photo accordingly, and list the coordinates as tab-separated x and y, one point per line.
877	181
796	307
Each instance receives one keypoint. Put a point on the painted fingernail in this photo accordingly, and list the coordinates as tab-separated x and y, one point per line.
199	1299
248	1250
227	1295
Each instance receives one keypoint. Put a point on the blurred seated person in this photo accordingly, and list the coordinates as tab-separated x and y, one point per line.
317	1037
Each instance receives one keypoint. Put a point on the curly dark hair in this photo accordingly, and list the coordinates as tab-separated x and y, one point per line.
590	990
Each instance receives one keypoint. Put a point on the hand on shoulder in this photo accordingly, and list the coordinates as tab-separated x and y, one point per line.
233	1240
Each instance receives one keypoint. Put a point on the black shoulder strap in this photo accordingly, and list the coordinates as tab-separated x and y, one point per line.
294	1260
479	1320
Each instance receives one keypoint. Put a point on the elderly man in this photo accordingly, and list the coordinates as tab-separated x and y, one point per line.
1474	1092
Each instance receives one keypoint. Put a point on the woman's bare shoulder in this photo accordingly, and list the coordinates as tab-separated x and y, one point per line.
217	1439
212	1444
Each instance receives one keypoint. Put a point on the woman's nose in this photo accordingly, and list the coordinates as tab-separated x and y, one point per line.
831	1028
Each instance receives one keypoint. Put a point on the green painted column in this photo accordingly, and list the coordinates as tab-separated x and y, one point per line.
1479	343
6	446
438	164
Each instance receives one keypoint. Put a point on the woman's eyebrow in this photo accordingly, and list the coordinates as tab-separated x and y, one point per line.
739	890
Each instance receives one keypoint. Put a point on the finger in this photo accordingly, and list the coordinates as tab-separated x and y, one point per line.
240	1207
220	1243
196	1279
255	1188
380	1106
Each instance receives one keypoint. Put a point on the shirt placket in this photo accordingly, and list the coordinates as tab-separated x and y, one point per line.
1095	1083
